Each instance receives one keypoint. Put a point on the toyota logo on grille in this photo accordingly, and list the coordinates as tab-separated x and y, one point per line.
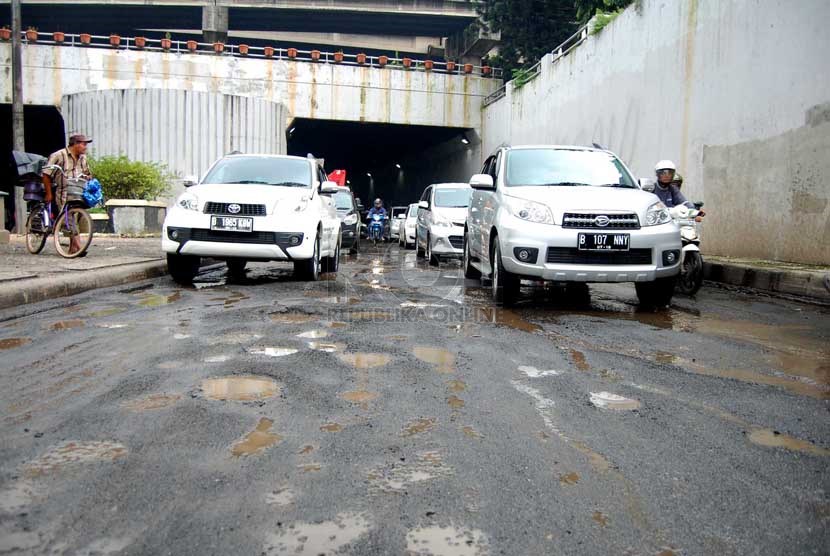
234	208
602	220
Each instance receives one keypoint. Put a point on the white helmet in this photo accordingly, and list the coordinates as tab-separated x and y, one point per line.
665	165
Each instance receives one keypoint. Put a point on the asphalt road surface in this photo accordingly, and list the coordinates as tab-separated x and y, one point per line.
395	410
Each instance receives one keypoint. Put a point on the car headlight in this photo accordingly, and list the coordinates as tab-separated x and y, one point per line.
351	219
529	210
441	222
188	201
301	205
657	214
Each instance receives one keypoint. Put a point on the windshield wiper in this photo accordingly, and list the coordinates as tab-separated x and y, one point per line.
616	185
249	181
290	184
569	183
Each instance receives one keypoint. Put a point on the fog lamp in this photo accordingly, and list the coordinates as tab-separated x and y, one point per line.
295	240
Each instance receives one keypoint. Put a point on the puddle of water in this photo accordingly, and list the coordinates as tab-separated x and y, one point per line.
418	426
600	518
309	467
796	386
441	358
396	478
281	497
397	338
107	312
358	396
237	338
665	358
9	343
334	324
455	402
181	336
314	334
273	351
325	347
240	388
446	541
364	360
340	300
533	372
159	300
258	440
291	318
807	366
75	452
113	326
331	427
472	433
217	359
66	324
579	360
569	479
328	537
153	401
456	386
607	400
773	439
506	317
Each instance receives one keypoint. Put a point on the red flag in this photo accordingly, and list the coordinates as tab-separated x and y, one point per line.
338	177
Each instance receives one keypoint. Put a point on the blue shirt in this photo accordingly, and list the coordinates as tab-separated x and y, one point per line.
373	211
671	196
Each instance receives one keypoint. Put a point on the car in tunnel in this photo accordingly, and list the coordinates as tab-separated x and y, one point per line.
439	229
395	216
349	214
255	208
406	227
570	215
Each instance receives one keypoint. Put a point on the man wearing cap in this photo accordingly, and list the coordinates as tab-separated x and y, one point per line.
72	160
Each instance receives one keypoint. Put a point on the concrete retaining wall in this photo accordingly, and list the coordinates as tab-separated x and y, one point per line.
737	93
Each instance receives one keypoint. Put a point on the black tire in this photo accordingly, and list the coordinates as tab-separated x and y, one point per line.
656	294
419	253
236	267
690	281
310	268
433	260
332	264
469	270
183	268
505	284
355	248
74	221
35	234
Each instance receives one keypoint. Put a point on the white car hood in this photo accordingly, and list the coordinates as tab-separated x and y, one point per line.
586	199
268	195
452	214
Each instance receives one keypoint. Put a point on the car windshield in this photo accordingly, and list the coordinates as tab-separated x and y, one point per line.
453	198
565	167
261	170
343	201
398	210
413	210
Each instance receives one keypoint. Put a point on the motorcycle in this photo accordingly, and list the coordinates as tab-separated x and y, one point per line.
691	269
376	227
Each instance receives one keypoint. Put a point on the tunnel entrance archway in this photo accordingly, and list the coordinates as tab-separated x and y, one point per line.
425	154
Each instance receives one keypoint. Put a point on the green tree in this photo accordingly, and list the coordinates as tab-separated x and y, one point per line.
122	178
586	9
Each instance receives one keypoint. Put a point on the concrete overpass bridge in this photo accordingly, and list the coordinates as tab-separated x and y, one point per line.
187	108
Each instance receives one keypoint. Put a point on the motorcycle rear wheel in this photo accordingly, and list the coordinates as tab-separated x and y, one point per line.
690	281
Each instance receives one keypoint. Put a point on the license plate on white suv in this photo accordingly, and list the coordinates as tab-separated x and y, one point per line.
231	224
603	242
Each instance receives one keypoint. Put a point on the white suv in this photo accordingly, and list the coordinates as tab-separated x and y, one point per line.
568	214
439	231
255	207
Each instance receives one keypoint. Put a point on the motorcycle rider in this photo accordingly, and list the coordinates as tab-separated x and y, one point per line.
380	210
668	186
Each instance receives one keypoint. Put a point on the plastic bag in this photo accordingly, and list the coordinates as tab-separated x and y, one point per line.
93	194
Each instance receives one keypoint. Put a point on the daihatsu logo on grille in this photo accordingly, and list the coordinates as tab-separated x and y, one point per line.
602	220
234	208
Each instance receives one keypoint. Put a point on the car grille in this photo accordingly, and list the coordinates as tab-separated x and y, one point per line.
218	236
628	221
571	255
456	241
245	210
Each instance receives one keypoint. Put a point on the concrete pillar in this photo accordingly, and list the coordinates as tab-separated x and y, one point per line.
214	23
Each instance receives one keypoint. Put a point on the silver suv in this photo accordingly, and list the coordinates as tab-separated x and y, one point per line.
567	214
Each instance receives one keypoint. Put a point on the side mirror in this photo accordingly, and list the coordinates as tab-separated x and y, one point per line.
190	181
423	204
698	205
646	184
329	187
482	181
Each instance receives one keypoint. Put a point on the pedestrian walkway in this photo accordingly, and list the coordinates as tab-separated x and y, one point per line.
811	281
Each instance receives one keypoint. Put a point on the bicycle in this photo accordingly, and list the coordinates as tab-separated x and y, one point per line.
72	222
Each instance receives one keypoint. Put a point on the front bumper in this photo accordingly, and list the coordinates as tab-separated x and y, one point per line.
349	235
447	241
274	237
558	259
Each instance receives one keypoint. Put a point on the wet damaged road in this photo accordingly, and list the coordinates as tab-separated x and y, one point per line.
394	410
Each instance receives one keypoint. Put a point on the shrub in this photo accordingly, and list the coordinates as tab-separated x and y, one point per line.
603	19
122	178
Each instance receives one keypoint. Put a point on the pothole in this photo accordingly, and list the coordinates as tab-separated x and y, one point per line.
75	452
291	318
607	400
153	401
327	537
325	347
258	440
364	360
273	351
313	334
240	388
358	396
67	324
774	439
10	343
397	478
446	541
418	426
443	359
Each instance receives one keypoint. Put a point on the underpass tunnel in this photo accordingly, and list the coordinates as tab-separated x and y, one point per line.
391	161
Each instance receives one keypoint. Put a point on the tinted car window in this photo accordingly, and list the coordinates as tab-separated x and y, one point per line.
459	198
343	200
260	170
566	168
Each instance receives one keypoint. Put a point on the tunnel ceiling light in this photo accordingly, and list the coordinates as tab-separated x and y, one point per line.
290	131
368	174
464	139
398	166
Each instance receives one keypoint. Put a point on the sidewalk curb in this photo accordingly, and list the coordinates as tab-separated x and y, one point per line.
34	290
814	285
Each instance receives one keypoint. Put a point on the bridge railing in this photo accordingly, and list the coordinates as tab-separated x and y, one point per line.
179	46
